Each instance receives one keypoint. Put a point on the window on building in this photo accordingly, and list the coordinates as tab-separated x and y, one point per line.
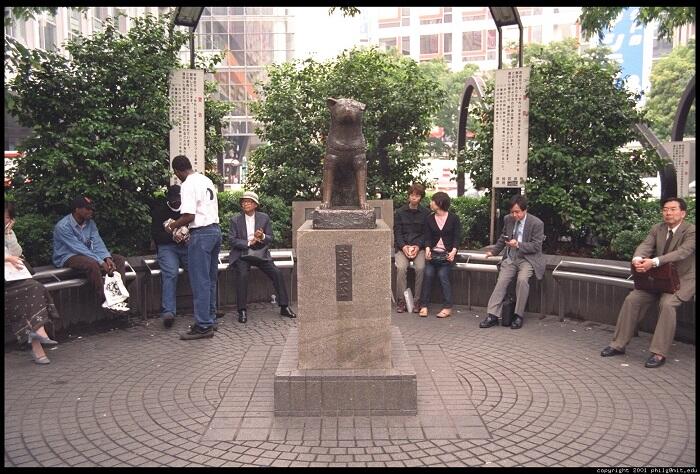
529	11
219	11
235	11
533	34
405	17
491	39
447	14
406	45
389	17
48	35
447	43
387	43
258	11
471	41
431	15
429	44
474	13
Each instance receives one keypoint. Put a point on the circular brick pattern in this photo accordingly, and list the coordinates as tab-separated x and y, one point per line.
142	397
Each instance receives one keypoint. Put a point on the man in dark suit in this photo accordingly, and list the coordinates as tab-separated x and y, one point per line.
522	239
253	230
670	242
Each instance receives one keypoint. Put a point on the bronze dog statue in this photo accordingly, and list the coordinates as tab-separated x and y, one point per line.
345	157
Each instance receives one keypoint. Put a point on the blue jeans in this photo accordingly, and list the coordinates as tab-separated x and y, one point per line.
170	258
203	260
443	271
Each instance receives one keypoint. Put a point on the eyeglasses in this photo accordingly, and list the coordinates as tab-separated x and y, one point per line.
670	209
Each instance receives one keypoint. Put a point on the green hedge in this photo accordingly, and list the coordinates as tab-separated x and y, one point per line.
626	241
35	231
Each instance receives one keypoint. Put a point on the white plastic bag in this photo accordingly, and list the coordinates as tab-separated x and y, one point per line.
408	296
115	291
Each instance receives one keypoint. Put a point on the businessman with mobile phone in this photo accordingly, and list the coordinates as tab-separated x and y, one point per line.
522	242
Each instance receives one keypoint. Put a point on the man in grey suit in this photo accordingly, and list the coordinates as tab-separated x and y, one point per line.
670	242
522	239
253	230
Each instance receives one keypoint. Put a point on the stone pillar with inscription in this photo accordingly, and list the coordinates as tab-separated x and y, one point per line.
345	297
345	358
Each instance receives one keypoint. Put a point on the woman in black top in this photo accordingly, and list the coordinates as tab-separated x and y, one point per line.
442	236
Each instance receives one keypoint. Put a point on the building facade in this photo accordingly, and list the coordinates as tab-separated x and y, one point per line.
252	38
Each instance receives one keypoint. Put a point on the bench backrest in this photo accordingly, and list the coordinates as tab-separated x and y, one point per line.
594	272
282	258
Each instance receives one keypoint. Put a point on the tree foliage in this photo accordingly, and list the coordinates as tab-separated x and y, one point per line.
596	20
669	78
453	84
346	11
100	126
580	179
400	100
30	13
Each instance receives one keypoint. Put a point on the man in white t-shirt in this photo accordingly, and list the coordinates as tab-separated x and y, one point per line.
200	212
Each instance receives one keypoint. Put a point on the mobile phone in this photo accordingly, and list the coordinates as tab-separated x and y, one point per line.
506	237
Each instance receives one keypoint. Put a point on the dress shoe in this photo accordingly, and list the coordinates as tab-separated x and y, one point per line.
611	351
416	306
242	316
490	320
214	326
401	307
655	361
287	312
517	322
197	332
168	320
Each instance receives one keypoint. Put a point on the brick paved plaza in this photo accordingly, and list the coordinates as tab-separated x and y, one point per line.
539	396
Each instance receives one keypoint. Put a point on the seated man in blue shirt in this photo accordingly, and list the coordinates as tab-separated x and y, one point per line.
77	244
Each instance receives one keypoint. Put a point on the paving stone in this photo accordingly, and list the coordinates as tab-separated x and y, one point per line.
570	409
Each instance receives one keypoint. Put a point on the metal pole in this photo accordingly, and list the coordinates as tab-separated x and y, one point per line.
192	48
492	220
520	47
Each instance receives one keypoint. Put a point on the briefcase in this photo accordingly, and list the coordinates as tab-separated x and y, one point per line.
507	310
661	279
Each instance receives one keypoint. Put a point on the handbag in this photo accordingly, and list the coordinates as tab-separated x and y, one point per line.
438	257
255	256
115	291
661	279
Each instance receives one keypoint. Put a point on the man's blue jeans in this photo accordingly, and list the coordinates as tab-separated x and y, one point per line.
203	261
170	258
443	271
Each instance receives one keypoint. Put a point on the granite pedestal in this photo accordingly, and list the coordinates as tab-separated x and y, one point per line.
345	347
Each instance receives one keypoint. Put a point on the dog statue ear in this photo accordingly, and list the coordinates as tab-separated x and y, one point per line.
362	106
331	101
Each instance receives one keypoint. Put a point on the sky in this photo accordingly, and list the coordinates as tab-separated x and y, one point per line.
337	32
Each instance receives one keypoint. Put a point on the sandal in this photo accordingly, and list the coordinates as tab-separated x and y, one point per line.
445	313
423	313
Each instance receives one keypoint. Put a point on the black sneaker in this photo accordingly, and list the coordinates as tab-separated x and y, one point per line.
197	332
168	320
215	326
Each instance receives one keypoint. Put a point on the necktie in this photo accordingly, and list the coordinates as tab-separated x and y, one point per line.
668	242
511	250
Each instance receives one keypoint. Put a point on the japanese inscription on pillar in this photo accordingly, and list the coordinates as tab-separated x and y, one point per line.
343	272
187	117
510	127
680	153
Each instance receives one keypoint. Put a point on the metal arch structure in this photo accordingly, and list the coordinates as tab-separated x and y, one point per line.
473	87
669	184
682	111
